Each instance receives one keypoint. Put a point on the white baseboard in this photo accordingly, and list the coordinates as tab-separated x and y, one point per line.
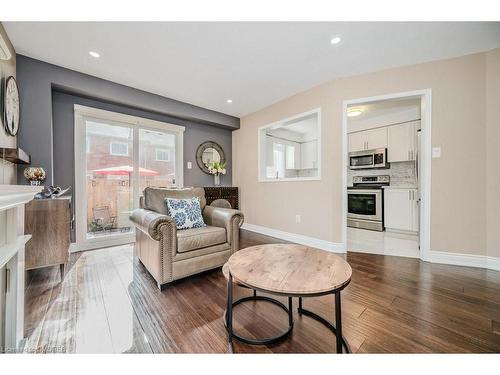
297	238
457	259
493	263
75	248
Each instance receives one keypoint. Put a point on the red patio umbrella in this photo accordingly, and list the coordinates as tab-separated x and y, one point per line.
125	170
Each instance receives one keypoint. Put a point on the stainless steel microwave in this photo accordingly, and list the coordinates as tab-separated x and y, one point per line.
368	159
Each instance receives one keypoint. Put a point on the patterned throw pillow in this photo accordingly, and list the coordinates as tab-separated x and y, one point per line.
185	212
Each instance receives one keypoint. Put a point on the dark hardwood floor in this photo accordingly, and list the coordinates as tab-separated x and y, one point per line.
109	304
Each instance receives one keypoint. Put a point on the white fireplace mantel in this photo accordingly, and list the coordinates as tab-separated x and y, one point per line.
12	243
14	195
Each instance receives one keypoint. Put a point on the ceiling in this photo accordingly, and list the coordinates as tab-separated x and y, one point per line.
384	107
254	64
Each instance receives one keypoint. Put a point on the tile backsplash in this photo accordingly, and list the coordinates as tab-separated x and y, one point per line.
310	172
402	174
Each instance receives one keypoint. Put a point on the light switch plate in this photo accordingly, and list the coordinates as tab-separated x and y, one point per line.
436	152
189	165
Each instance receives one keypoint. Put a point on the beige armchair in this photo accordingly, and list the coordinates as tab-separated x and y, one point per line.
170	254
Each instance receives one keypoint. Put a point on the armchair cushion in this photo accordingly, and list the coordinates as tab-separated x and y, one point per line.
154	197
197	238
226	218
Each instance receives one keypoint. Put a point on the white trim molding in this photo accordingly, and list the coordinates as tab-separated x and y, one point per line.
466	260
261	146
297	238
425	194
493	263
136	124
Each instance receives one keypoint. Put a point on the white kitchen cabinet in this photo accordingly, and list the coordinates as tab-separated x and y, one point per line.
402	142
415	212
368	139
376	138
269	152
292	155
357	141
401	209
309	155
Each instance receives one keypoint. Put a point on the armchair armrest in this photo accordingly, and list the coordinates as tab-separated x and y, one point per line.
151	222
226	218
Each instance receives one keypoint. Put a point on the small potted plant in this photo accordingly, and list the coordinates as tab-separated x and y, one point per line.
35	175
217	169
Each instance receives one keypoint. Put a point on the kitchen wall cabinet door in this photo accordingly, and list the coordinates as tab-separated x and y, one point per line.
376	138
402	142
357	142
401	209
309	155
368	139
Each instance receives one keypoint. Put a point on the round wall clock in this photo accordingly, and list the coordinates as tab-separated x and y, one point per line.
11	107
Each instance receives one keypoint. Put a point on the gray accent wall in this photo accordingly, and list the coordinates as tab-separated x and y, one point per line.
47	92
63	136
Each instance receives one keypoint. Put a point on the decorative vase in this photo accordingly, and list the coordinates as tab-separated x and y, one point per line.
35	175
217	179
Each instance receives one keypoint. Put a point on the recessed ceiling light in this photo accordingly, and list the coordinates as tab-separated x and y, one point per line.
229	101
335	40
353	112
94	54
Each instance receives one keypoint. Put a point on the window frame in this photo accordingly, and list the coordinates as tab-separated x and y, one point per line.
118	143
165	150
261	147
82	114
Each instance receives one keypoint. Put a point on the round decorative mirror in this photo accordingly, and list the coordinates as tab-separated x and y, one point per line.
207	153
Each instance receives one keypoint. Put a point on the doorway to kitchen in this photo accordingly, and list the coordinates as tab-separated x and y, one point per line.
386	174
116	157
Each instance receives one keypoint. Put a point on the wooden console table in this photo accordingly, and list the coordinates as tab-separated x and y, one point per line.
49	223
228	193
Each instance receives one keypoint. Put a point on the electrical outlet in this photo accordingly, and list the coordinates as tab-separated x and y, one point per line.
189	165
297	219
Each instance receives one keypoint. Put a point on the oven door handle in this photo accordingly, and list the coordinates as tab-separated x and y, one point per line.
364	191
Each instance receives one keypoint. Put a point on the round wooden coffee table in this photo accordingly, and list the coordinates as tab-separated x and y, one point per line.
286	270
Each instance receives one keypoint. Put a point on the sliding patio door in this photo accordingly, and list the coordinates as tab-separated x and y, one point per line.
116	157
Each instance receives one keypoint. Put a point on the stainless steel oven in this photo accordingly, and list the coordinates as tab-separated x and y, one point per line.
368	159
365	202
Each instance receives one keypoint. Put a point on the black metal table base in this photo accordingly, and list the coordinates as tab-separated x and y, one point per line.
270	340
228	319
341	342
